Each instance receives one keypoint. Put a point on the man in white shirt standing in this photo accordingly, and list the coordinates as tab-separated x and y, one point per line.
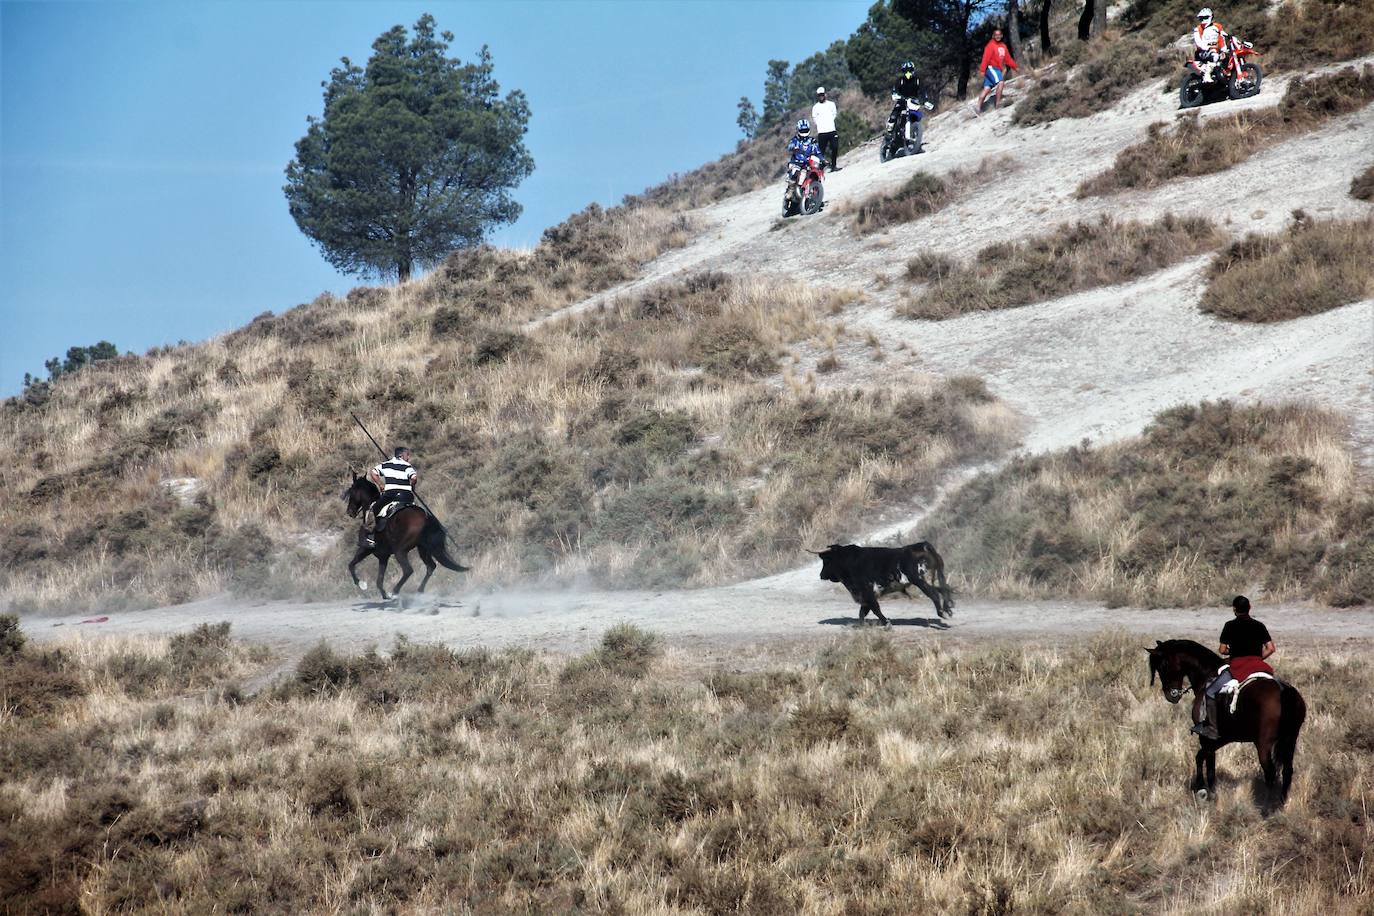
823	120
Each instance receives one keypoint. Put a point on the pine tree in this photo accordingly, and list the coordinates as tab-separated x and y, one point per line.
414	156
776	85
748	119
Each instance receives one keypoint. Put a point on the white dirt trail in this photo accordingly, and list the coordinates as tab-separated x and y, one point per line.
792	610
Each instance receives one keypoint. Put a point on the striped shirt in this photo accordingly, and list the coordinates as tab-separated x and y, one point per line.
396	475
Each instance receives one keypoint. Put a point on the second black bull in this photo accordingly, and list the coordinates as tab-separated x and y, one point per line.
868	572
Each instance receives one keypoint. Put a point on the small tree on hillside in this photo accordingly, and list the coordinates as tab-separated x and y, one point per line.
748	118
414	156
776	93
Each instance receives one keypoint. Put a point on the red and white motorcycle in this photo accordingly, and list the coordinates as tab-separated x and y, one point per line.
1235	76
805	191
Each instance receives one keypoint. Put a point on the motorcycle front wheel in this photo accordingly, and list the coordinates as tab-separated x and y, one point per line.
913	145
885	150
814	199
1246	83
1190	92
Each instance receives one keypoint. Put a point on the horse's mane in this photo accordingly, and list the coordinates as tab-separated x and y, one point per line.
369	484
1194	649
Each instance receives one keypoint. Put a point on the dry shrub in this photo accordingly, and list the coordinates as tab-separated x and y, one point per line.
857	781
1301	34
1362	185
626	651
1069	259
1210	501
922	195
1313	267
1187	150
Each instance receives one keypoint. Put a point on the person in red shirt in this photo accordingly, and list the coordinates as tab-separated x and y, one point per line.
996	62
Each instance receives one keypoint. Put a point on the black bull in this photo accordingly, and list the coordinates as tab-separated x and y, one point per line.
869	571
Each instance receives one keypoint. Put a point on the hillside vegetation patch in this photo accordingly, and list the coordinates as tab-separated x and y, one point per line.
1190	148
1313	267
1070	258
922	195
424	779
1362	185
1208	502
1092	77
648	443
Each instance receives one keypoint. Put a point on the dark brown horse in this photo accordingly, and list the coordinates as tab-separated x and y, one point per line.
411	528
1269	716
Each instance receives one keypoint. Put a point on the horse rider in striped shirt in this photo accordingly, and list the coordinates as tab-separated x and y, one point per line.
396	480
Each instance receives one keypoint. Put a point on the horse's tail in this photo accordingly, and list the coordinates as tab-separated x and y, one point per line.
434	540
1293	712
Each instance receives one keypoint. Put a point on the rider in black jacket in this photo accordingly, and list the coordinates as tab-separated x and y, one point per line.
908	86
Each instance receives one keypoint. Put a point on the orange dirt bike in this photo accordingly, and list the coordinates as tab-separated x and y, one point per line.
805	191
1235	76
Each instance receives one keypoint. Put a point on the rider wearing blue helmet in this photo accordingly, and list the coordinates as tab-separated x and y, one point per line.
803	144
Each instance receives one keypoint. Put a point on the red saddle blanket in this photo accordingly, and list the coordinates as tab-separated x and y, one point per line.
1246	665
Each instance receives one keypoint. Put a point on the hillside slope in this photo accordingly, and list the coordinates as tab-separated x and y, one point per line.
731	330
1099	363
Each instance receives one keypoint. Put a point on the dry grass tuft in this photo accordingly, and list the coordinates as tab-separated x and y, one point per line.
1187	150
1210	501
1069	259
1362	185
922	195
877	777
1313	267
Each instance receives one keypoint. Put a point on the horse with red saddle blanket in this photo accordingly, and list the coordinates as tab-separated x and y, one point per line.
1267	712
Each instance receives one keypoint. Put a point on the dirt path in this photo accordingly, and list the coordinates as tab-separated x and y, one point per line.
718	622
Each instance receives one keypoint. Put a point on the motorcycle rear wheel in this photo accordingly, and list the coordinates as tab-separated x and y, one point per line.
1190	92
1247	83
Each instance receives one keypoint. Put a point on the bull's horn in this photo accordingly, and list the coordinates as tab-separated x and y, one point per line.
809	550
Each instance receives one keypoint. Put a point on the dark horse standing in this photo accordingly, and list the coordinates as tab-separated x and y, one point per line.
411	528
1269	716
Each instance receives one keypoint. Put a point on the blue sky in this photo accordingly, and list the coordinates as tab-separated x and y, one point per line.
142	145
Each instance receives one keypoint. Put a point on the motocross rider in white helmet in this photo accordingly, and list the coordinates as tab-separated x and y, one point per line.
1209	43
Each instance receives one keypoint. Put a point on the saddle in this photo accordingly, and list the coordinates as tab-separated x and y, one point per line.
392	508
1235	687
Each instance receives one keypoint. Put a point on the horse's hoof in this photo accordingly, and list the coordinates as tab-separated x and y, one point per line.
362	586
1200	794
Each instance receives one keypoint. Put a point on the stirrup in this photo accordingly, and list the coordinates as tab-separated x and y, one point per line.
1205	729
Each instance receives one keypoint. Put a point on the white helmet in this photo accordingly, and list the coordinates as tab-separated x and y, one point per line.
1204	16
820	90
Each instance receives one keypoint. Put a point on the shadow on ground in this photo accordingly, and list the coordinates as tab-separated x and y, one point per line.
926	622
